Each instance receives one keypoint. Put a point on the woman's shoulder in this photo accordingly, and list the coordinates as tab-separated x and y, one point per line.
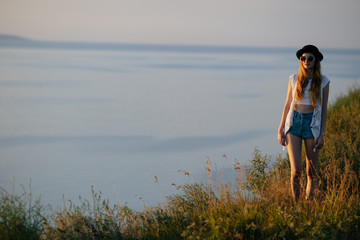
324	80
293	78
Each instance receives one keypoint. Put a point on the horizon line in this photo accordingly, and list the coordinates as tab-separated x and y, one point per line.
13	40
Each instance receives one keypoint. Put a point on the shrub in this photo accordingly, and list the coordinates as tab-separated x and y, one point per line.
20	217
340	159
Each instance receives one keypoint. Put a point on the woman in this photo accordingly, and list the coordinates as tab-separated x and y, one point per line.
304	118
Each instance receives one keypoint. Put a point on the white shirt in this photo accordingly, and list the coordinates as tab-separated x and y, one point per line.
316	121
306	100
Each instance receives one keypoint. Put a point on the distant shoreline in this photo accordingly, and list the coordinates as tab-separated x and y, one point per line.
13	41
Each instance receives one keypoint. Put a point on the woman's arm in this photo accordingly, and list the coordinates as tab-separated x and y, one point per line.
281	134
320	141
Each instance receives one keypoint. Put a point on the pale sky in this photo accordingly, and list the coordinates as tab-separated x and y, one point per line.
269	23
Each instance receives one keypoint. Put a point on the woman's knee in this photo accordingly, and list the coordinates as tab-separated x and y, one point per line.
295	174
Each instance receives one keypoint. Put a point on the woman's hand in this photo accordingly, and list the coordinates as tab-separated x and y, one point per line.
281	137
319	143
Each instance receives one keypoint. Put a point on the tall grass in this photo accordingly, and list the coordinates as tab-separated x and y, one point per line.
255	204
21	217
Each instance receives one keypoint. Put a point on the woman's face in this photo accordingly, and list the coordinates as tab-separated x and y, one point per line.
308	60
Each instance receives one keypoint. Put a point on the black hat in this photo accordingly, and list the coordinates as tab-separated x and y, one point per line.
310	49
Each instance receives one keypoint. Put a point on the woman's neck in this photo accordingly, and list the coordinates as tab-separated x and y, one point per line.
310	73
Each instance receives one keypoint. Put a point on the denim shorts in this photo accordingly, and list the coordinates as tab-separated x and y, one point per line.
301	125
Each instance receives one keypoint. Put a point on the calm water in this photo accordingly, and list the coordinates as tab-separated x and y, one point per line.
72	119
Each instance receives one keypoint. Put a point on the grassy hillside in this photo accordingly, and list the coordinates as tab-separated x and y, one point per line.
257	204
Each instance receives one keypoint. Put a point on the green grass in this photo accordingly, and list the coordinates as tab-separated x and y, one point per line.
257	204
20	216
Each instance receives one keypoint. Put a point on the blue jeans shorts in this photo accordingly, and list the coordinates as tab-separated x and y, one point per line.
301	125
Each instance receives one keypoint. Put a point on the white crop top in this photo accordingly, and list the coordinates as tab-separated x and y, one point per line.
306	100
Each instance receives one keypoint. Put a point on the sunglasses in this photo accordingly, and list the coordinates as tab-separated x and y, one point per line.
310	58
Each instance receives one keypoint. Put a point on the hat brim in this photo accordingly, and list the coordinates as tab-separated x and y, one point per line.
317	54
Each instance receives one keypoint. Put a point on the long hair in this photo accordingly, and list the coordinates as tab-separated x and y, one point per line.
303	80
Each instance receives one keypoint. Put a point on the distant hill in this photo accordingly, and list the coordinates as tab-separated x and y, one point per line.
5	37
12	39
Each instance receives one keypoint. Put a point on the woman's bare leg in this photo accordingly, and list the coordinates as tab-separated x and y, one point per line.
294	145
312	162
